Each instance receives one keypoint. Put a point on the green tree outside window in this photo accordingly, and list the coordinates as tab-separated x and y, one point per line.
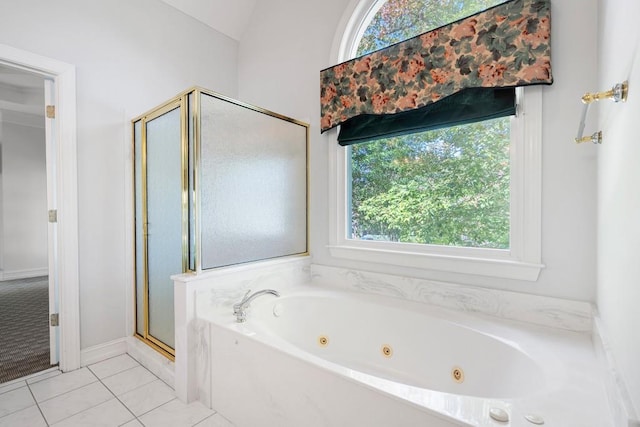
443	187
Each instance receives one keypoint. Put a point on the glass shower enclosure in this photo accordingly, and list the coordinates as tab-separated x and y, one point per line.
217	183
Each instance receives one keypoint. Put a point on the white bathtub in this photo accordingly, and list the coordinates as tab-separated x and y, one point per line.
321	357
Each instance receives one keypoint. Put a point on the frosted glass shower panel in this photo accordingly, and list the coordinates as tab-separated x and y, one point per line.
217	182
164	220
253	184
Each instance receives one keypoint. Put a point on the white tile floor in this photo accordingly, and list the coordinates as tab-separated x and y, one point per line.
115	392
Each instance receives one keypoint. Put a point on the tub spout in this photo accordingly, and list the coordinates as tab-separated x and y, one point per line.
239	309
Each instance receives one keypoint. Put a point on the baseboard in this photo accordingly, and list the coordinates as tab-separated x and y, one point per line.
620	403
23	274
100	352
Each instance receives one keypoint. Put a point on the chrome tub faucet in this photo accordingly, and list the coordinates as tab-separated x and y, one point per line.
239	309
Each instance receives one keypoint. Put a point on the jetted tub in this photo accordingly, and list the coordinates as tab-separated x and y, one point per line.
322	357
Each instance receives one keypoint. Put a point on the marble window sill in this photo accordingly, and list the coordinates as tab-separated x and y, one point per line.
455	261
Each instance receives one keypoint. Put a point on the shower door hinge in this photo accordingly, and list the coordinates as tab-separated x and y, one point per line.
54	319
53	215
51	111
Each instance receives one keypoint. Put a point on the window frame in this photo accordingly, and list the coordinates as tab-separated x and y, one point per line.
522	261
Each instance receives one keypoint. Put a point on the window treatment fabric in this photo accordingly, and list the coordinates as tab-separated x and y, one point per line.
464	107
502	47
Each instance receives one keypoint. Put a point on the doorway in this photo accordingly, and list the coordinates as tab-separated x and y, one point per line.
27	290
62	200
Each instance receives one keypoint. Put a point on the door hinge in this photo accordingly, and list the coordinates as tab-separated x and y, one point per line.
51	111
53	215
54	319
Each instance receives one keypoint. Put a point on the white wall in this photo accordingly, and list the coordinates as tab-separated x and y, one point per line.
130	56
288	42
24	201
618	194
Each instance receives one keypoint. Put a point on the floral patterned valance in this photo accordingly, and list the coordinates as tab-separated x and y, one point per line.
505	46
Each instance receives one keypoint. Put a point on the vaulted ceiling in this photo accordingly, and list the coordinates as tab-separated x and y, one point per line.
229	17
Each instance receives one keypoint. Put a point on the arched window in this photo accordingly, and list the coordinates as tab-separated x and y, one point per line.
461	199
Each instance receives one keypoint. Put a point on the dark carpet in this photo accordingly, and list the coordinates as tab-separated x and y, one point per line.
24	327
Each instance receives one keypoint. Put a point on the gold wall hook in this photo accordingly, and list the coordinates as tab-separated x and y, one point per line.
596	138
617	93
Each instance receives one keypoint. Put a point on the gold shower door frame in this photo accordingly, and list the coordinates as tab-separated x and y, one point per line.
190	130
180	102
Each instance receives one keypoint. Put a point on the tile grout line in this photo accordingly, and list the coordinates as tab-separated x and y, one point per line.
43	379
37	404
91	407
26	378
205	419
116	373
86	409
15	411
140	364
7	385
162	404
140	386
135	417
153	409
97	379
121	402
67	392
113	394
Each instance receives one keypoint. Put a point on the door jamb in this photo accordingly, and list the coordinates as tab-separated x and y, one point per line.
64	76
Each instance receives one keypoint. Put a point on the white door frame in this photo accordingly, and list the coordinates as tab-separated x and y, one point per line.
66	198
